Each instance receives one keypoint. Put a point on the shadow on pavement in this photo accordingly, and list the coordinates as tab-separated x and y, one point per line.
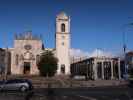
50	93
29	95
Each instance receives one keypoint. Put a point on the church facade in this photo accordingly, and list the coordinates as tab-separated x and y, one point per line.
28	48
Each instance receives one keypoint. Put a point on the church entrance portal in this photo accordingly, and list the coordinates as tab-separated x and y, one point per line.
26	68
63	69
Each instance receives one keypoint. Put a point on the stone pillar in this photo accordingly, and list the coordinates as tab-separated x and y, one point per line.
33	68
95	69
21	67
119	69
102	71
112	73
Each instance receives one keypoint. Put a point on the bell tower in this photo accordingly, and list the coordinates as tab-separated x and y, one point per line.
63	43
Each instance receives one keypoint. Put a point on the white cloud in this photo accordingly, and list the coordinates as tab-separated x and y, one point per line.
95	53
101	53
78	53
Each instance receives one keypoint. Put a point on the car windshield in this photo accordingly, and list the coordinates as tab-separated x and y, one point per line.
1	82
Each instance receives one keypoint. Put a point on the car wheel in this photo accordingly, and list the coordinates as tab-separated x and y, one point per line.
23	89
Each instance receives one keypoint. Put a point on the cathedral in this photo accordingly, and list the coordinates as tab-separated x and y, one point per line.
28	48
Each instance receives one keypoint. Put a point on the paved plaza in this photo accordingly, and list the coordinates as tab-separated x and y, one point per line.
104	93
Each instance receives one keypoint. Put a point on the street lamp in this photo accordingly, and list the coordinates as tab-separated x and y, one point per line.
124	49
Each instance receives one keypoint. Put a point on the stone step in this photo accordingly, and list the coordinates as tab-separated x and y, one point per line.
60	81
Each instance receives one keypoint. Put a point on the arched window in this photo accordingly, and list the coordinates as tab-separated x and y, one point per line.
63	27
37	59
63	43
17	59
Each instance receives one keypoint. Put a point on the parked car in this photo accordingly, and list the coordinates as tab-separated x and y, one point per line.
16	84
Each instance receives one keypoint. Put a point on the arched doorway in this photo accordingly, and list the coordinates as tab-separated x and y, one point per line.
63	68
26	68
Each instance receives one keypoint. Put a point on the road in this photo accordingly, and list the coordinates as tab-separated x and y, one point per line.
101	93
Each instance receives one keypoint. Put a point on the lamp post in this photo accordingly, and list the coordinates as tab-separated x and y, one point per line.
124	50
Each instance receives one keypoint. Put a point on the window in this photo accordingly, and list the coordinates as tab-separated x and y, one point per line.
10	81
17	59
63	37
37	59
63	43
63	27
28	47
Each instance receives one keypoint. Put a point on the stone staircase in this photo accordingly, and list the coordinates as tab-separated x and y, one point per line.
37	81
66	82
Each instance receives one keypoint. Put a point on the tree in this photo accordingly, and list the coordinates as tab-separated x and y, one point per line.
47	64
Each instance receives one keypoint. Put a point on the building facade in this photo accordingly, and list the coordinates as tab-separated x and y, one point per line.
28	48
5	61
129	63
24	55
63	43
97	68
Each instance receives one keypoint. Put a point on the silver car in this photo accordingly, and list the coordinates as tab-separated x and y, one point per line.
16	84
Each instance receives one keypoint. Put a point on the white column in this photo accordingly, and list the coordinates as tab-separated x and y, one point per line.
31	67
119	70
102	71
95	69
21	65
112	73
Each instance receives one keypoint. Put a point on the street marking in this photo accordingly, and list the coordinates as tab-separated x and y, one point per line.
88	98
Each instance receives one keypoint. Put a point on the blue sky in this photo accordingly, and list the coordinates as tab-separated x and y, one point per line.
94	23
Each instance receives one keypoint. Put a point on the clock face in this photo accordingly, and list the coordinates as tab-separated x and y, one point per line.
28	47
